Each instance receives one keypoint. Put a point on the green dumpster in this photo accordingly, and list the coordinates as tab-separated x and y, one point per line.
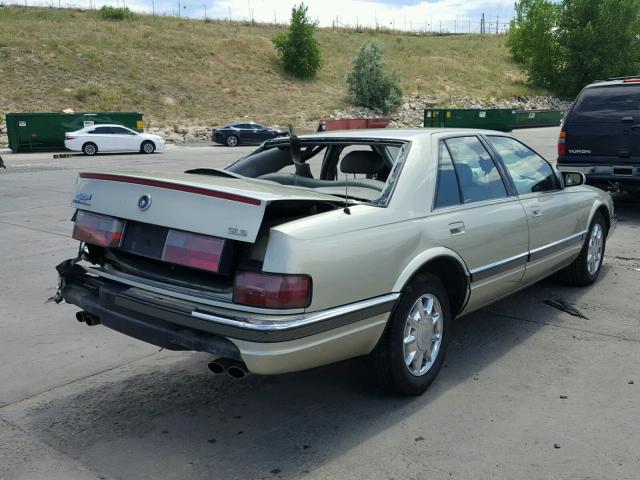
538	118
490	119
45	131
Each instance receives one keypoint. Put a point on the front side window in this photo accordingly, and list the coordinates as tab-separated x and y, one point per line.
530	172
447	191
478	175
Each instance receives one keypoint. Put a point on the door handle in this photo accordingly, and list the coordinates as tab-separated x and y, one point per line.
635	127
536	211
627	119
456	228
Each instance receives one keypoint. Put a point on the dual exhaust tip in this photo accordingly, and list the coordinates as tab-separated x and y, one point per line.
233	368
88	318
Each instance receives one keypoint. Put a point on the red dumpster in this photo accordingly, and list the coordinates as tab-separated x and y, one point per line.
356	123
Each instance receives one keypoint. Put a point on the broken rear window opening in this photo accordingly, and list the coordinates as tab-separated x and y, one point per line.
365	171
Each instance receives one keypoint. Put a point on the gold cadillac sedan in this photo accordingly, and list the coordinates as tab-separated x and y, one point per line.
324	247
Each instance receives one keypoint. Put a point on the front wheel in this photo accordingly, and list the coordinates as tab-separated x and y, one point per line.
585	269
147	147
411	351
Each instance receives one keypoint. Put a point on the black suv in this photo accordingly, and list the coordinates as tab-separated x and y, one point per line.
601	134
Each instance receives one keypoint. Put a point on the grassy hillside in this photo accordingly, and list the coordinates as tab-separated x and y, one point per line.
196	72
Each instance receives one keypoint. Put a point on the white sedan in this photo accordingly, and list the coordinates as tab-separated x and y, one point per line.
112	138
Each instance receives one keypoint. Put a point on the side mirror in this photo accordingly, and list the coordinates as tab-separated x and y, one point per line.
571	179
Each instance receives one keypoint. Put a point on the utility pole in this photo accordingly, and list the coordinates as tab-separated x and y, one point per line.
482	25
497	24
153	8
205	11
179	9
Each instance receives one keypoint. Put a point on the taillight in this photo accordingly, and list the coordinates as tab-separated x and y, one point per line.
70	137
631	80
193	250
99	230
562	144
272	290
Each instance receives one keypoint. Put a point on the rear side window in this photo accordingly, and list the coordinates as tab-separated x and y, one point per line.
607	104
530	172
447	191
478	176
101	130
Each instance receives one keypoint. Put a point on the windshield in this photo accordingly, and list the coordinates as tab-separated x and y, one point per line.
359	169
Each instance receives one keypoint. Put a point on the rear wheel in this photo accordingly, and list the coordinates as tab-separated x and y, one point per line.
411	351
231	141
585	269
147	147
89	148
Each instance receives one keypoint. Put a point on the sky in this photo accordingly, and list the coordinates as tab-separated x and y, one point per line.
399	14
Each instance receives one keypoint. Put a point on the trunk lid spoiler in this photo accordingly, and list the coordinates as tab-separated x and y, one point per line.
219	206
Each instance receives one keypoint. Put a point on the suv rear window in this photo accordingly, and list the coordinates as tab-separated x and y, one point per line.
607	104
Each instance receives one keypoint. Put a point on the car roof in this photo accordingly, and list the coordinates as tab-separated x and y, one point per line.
403	134
106	125
616	81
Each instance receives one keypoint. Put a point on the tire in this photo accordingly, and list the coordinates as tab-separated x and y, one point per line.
89	149
584	270
389	364
231	141
147	147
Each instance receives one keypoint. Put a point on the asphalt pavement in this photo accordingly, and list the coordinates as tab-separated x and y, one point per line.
527	391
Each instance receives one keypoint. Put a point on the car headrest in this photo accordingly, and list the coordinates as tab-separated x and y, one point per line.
361	161
464	173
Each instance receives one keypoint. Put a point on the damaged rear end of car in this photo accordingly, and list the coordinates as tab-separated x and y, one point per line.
193	261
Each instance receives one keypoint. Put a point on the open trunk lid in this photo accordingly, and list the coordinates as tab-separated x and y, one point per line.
224	207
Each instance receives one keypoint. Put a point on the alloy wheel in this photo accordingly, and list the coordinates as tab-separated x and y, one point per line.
423	334
594	249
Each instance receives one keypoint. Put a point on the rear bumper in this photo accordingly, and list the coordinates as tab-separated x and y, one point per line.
267	344
621	173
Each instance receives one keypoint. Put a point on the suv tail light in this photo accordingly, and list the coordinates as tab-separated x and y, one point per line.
272	290
562	144
100	230
193	250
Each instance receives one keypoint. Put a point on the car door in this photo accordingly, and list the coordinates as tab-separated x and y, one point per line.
478	215
557	218
122	139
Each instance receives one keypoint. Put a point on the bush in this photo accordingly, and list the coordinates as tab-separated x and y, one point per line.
565	46
368	85
115	14
298	47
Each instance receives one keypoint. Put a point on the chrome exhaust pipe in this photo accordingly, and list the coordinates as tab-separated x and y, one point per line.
88	318
238	372
216	367
233	368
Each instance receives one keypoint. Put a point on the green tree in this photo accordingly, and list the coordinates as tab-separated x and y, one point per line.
369	85
297	47
599	39
533	39
567	45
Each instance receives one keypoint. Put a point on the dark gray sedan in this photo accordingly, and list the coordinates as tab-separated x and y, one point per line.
247	133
